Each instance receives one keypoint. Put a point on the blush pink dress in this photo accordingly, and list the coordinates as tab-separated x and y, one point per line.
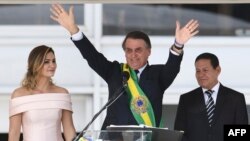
41	115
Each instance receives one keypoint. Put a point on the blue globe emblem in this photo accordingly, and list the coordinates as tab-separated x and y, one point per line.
139	103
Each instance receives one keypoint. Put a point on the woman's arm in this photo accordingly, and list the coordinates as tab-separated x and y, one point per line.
68	125
15	127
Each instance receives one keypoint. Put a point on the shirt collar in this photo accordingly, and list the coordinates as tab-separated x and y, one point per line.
215	89
142	68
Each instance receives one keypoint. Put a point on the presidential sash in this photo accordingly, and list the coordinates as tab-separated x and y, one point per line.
140	106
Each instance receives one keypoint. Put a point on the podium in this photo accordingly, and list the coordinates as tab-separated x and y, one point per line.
116	135
158	134
132	133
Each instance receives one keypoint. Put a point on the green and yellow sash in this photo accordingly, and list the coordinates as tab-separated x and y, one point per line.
139	103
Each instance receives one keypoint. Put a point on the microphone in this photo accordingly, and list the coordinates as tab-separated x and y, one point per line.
118	93
125	77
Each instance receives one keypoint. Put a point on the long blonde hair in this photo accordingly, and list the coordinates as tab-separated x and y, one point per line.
35	64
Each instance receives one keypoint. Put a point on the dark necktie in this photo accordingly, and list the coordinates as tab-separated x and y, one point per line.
210	106
137	72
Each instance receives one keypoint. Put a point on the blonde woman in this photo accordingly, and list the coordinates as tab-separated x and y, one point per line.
40	107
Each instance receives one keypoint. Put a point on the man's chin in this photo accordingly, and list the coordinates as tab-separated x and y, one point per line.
204	86
133	66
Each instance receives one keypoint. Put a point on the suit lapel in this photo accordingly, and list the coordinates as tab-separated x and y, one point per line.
202	106
200	100
219	103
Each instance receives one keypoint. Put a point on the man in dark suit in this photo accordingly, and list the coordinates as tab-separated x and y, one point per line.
142	103
202	118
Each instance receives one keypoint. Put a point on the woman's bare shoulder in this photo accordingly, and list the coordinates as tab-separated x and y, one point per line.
58	89
21	91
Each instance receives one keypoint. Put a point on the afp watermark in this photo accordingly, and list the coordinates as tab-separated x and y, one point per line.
236	132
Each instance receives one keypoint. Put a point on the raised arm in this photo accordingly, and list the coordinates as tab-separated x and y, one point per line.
64	18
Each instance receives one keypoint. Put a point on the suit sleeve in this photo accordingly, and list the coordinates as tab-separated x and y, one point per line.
170	70
241	113
180	119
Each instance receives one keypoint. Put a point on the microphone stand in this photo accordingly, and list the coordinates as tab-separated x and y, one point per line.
118	93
